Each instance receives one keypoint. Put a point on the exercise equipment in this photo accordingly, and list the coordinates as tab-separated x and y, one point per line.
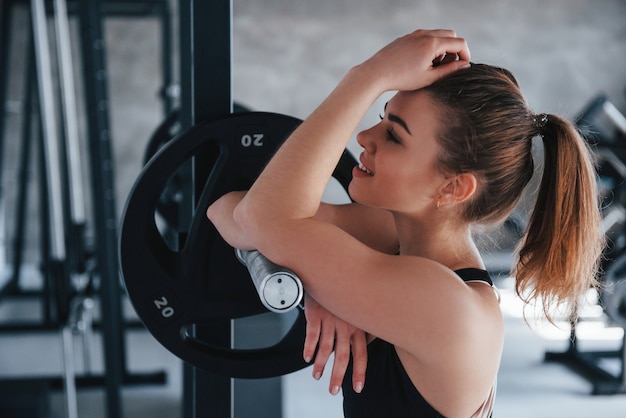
279	289
199	280
73	269
168	206
179	293
614	292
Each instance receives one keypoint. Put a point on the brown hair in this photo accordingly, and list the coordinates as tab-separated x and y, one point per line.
488	130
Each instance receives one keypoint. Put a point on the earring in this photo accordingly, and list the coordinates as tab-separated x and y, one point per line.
438	204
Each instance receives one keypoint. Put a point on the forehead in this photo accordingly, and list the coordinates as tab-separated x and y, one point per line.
417	109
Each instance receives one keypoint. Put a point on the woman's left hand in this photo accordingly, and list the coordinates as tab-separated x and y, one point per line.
418	59
326	332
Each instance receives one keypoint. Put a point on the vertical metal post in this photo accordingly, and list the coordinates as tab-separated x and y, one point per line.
166	57
623	360
74	180
70	113
6	10
103	198
25	160
205	36
51	131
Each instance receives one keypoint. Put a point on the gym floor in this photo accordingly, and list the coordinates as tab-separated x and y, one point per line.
287	56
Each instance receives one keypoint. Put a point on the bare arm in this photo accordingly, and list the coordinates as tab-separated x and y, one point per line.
373	227
221	214
325	332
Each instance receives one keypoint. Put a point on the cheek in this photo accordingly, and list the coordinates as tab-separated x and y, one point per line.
417	183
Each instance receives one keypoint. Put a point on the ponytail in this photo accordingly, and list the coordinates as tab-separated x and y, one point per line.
559	256
489	131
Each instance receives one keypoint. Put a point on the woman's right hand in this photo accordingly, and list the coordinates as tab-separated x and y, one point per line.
326	332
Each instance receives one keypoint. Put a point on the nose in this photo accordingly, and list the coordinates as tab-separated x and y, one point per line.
366	140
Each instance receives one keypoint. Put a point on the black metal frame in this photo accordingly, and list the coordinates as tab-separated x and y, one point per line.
205	63
54	297
206	83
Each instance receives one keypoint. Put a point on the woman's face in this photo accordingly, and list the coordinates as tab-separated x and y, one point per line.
398	168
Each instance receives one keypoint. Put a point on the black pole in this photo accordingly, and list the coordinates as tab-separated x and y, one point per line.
103	198
24	167
6	10
166	57
205	37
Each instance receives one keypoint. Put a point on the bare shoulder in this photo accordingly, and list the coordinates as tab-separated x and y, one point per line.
465	318
419	305
456	370
373	227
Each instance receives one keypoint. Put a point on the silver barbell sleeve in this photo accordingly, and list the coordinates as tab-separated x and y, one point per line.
279	289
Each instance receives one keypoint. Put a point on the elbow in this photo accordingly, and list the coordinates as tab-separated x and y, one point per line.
222	209
244	217
253	221
212	211
217	211
221	214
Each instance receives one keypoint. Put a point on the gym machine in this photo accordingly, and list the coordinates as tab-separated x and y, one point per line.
74	272
604	127
186	284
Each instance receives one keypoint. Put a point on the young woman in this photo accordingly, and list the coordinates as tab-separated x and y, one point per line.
452	150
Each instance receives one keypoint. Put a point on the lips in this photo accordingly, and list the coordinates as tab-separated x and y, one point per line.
363	168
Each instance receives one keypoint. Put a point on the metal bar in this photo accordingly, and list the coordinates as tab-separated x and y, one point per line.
57	280
70	111
206	61
51	147
166	57
69	373
24	170
5	52
616	116
103	198
49	307
212	51
96	381
623	361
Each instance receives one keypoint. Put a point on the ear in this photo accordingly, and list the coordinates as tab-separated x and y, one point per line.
458	188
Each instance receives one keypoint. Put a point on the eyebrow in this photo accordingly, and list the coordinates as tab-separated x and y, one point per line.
397	119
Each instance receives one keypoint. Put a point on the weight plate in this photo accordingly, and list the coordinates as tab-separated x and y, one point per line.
195	281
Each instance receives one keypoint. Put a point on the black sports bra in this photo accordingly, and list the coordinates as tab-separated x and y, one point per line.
388	390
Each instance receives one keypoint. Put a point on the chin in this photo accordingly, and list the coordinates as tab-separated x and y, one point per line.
358	196
353	191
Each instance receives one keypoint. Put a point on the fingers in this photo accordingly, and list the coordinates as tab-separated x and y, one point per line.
313	328
359	360
342	357
451	54
326	333
450	49
449	46
444	33
313	314
325	347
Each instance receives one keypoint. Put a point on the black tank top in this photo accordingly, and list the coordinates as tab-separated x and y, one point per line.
388	391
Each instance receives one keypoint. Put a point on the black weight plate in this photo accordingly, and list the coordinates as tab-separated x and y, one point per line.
198	282
168	206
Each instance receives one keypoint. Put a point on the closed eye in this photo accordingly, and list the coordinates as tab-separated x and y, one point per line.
391	136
